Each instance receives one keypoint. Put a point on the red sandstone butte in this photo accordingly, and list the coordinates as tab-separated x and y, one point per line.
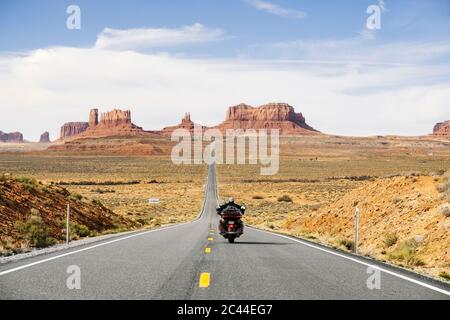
72	129
15	137
442	129
45	138
279	116
186	123
113	123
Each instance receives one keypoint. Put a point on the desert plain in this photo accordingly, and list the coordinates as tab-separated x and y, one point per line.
399	184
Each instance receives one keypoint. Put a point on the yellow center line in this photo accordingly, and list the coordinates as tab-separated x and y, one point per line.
210	239
207	250
205	279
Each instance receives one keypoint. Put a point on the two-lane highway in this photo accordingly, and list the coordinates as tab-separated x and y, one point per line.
191	261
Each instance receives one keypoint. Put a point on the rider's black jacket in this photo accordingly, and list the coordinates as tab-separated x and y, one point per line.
221	208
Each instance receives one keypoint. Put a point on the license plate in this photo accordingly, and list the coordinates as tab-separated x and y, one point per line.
230	222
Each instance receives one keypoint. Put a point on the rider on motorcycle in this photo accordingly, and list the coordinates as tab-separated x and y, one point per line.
230	206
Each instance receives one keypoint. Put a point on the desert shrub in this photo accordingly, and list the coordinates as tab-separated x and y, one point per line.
76	197
445	210
29	181
35	212
97	203
442	187
348	244
285	198
411	174
35	231
406	252
29	184
102	191
94	183
142	221
444	275
440	172
79	230
258	197
390	239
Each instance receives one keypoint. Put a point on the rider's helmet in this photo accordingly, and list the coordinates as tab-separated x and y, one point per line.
230	200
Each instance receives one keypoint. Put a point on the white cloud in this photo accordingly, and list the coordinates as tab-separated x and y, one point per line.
359	50
276	9
45	88
147	38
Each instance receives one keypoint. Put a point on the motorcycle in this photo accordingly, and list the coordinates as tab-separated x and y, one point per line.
231	225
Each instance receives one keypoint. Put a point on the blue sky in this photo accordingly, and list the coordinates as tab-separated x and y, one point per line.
316	55
28	24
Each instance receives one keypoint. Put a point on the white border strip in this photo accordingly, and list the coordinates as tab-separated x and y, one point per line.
423	284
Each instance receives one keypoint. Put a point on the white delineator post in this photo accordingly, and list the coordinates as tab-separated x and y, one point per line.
356	229
68	225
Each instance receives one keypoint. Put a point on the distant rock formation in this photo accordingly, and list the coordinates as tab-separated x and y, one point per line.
114	123
93	118
270	116
115	118
11	137
186	123
45	138
442	129
72	129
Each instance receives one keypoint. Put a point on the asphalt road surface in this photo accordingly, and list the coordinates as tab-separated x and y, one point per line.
191	261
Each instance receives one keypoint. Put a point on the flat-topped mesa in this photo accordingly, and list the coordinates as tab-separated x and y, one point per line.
442	129
279	116
114	123
15	137
115	118
72	129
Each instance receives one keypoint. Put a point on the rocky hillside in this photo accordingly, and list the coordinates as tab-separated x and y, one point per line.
404	220
33	215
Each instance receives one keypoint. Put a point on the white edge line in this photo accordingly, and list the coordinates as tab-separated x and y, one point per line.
91	247
109	242
423	284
